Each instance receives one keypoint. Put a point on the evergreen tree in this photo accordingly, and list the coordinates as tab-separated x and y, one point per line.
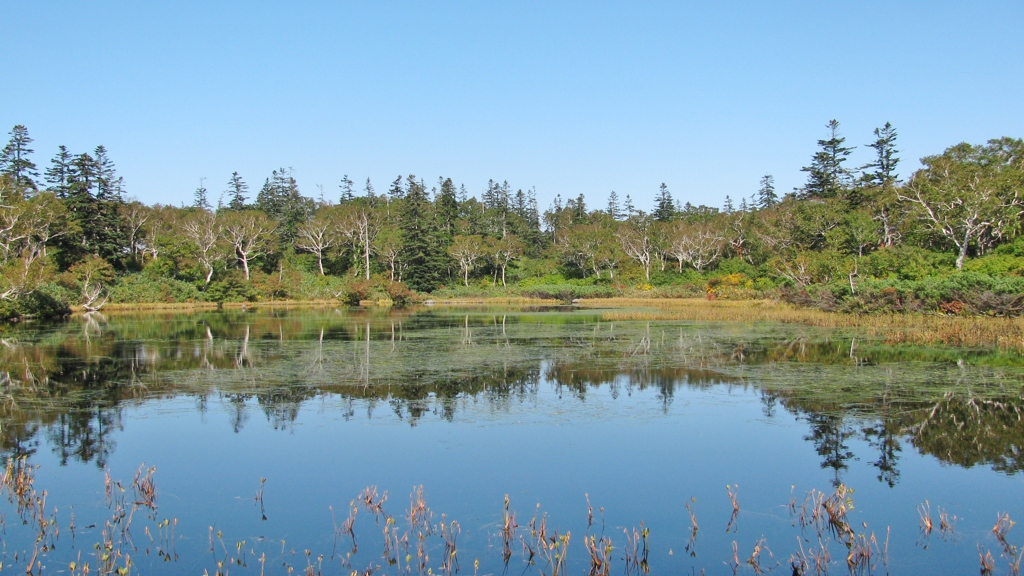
109	186
59	172
613	206
395	192
664	208
93	201
14	160
627	207
826	176
743	205
883	169
346	190
728	208
421	250
200	199
281	200
369	193
237	190
447	206
766	196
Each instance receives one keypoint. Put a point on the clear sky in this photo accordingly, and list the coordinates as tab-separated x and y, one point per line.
570	97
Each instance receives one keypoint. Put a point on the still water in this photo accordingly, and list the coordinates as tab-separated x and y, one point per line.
558	409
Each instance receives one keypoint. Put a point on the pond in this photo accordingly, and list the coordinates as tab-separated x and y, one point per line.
511	440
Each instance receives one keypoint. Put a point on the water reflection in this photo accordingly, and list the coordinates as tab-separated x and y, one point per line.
67	387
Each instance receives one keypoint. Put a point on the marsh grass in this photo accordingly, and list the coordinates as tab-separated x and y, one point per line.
963	331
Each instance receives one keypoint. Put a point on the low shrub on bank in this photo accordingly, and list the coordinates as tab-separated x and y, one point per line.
146	288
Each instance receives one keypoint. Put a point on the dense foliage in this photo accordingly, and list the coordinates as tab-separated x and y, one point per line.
946	239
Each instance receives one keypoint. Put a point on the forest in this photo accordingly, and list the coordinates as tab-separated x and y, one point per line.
945	239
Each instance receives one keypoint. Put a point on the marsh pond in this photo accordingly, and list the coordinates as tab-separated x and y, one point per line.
500	441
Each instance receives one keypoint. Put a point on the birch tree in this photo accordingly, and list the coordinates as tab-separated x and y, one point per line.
250	233
968	192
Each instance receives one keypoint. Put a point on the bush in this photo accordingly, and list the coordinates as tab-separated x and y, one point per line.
145	288
231	288
47	301
399	293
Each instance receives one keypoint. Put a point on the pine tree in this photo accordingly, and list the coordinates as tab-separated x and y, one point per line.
728	208
883	169
59	172
237	190
346	190
14	160
826	176
613	206
200	199
766	196
664	208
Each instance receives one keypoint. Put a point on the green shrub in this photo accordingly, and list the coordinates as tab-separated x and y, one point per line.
146	288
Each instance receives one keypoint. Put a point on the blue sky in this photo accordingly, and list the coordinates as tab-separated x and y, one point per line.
570	97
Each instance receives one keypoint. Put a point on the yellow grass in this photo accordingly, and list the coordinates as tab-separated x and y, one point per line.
969	331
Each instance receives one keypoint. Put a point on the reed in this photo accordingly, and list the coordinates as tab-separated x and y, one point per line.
732	492
924	511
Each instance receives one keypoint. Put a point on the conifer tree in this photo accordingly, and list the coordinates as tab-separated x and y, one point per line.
826	176
346	190
237	190
613	206
421	250
447	206
59	172
14	160
883	169
664	208
395	192
766	196
728	208
199	198
627	207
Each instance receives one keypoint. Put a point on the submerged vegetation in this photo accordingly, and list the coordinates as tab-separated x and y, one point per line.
945	240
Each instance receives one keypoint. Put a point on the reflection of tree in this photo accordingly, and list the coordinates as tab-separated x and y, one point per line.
970	431
884	436
829	434
85	435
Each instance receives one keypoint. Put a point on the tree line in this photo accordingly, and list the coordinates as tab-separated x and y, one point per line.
69	231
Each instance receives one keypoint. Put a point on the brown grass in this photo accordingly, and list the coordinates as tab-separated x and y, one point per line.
968	331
